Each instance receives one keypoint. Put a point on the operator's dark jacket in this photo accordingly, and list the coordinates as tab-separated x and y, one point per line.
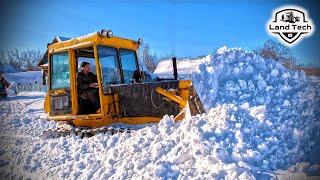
84	89
84	81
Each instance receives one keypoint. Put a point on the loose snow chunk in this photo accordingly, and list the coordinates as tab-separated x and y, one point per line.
245	105
238	125
286	75
262	147
262	84
274	72
222	50
297	133
231	86
242	84
236	70
258	112
210	70
286	87
249	70
286	103
246	176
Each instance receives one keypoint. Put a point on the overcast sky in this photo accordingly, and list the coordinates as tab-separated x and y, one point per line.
188	28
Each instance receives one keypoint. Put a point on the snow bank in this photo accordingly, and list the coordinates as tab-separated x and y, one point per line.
260	118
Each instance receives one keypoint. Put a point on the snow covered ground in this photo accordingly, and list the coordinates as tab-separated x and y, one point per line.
261	123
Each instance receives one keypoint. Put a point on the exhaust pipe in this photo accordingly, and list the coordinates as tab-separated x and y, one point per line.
175	71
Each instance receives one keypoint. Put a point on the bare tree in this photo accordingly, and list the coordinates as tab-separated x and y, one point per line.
31	58
148	58
2	61
15	61
278	52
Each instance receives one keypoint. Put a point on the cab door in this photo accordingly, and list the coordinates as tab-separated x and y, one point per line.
59	84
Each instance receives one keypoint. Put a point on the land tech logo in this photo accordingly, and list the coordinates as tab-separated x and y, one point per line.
290	24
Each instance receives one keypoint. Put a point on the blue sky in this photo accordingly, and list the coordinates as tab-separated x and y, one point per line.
187	27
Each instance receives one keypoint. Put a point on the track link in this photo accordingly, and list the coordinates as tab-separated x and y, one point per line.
82	132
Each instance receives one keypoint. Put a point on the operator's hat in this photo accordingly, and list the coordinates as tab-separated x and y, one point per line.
83	64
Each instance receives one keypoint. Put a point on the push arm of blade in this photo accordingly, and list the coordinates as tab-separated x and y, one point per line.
173	97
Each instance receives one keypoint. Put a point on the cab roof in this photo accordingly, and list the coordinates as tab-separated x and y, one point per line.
92	39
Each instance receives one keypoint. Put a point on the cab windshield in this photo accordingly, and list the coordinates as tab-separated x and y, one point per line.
110	65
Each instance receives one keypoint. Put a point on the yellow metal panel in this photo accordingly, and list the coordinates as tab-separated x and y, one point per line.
47	103
119	43
73	82
94	122
91	39
108	105
183	90
95	51
184	83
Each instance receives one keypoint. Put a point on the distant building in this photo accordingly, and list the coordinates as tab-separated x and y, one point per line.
43	64
21	78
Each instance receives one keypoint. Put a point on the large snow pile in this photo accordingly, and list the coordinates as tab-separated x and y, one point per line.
260	118
271	111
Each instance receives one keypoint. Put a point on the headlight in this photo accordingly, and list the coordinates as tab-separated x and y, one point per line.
140	41
106	33
109	33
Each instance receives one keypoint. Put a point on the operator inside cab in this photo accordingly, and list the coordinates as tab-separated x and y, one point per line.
88	91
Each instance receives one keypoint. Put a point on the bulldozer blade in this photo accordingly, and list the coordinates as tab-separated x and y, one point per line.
195	104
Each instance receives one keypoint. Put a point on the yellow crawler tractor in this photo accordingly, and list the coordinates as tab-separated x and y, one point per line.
127	93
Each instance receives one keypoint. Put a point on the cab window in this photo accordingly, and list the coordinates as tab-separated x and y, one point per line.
60	71
108	58
129	64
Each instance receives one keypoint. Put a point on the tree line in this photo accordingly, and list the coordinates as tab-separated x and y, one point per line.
27	60
270	49
16	61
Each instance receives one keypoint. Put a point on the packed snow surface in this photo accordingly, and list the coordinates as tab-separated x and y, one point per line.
260	118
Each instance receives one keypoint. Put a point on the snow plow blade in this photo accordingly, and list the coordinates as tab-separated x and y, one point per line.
195	105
